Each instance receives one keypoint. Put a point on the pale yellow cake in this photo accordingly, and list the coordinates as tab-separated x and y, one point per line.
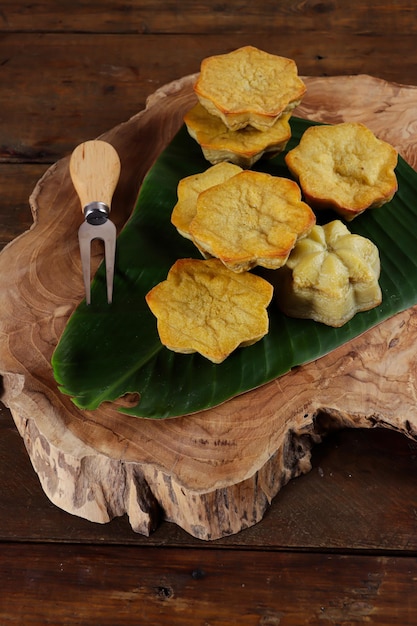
204	307
344	167
249	86
251	219
243	147
330	276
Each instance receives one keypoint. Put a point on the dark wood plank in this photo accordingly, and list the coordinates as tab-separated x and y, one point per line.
235	16
73	87
59	584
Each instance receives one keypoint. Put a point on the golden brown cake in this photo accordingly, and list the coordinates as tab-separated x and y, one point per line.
204	307
251	219
249	86
243	147
189	188
344	167
330	276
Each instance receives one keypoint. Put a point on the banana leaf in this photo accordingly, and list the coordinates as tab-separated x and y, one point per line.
106	351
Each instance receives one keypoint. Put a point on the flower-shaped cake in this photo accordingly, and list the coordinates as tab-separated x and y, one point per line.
204	307
243	147
251	219
344	167
249	86
330	276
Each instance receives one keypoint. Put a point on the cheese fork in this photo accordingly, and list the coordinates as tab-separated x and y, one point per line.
95	171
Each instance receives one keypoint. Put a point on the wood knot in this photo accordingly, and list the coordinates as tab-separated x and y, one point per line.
164	592
394	342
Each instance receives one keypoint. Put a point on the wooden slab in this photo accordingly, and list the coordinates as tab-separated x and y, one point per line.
215	472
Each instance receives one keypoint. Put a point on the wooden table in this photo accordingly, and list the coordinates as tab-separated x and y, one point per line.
338	545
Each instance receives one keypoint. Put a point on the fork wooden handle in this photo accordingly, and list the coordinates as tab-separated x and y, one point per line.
95	171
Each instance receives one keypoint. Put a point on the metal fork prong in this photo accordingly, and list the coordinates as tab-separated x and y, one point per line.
110	254
86	234
84	239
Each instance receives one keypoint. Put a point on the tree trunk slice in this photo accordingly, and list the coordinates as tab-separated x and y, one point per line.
215	472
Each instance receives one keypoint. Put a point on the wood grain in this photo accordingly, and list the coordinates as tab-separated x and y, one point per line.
147	468
197	586
359	496
213	473
248	485
204	17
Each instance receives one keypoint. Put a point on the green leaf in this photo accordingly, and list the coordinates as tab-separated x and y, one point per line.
106	351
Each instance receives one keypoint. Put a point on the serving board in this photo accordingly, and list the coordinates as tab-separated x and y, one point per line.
213	473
